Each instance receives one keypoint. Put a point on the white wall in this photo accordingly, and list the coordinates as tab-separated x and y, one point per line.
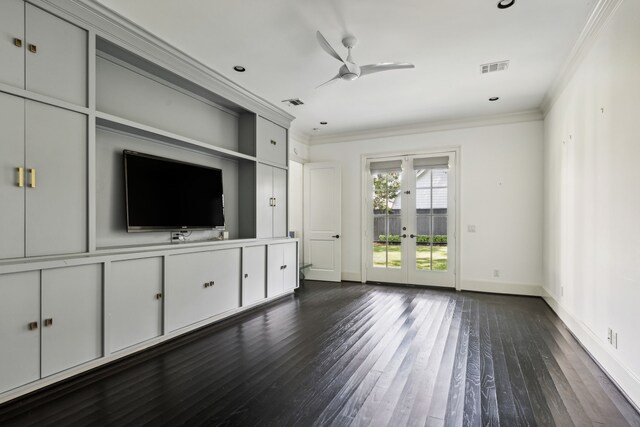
501	194
592	198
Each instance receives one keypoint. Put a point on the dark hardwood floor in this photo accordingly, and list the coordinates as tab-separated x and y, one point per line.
351	354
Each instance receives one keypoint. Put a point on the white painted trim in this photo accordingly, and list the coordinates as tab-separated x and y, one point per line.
501	287
299	136
365	209
620	375
351	276
602	11
425	127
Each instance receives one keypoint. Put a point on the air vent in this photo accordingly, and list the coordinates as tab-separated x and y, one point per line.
293	102
494	66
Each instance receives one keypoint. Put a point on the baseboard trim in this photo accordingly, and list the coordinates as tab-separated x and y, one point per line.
349	276
623	378
501	287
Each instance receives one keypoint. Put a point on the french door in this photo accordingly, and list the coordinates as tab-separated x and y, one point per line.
411	227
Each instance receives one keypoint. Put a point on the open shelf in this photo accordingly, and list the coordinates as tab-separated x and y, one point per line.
111	122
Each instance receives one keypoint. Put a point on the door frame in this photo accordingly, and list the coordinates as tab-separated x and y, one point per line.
366	220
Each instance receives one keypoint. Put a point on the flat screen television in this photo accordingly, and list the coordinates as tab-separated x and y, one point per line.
165	194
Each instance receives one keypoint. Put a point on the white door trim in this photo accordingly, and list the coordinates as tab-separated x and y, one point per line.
366	202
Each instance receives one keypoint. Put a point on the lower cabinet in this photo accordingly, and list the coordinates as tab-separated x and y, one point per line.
282	268
135	302
50	320
254	270
19	329
201	285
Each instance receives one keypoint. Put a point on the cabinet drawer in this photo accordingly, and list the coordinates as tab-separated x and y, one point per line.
201	285
271	142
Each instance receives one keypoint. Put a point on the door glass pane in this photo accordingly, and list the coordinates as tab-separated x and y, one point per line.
431	218
387	211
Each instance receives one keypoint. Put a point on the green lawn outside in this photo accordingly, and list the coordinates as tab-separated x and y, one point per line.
423	256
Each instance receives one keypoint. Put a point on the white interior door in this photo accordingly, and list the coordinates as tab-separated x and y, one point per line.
411	220
322	221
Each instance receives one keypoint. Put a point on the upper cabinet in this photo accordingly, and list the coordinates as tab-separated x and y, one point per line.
44	179
42	53
271	143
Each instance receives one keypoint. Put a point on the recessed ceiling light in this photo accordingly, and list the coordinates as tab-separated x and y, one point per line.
239	68
323	123
494	98
505	4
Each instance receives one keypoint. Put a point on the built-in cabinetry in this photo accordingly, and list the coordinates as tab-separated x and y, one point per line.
44	159
271	206
282	267
135	297
77	87
50	320
201	285
254	271
42	53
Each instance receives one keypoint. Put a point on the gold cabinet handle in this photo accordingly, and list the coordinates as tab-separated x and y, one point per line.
48	322
17	42
32	178
20	177
33	48
275	202
33	326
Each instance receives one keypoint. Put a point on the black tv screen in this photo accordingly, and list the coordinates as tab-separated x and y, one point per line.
165	194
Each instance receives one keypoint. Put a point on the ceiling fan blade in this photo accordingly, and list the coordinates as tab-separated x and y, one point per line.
324	44
384	66
328	82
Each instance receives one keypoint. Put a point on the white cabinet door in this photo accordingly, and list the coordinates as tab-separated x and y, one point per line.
201	285
71	317
264	204
58	67
271	142
12	55
254	270
275	258
11	158
280	202
56	158
135	302
290	276
19	329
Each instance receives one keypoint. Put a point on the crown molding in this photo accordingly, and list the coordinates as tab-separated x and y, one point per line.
114	27
299	136
425	127
602	11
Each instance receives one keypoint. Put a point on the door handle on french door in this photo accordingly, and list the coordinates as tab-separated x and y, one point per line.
337	236
404	236
412	235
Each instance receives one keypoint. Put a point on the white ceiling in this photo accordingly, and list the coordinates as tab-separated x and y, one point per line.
447	40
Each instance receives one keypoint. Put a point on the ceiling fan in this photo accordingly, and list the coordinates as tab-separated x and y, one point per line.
350	70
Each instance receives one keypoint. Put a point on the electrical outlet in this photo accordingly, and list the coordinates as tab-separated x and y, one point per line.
496	273
471	228
610	335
